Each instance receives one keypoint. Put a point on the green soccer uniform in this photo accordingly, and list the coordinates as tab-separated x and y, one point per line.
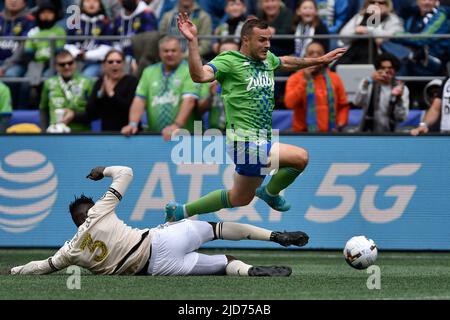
5	99
164	94
72	95
247	92
216	114
41	48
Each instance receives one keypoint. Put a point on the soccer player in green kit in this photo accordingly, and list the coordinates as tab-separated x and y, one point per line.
247	79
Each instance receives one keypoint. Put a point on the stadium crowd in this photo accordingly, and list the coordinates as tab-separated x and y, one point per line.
140	79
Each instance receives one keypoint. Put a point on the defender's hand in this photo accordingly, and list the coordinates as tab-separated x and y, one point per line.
96	173
333	55
186	27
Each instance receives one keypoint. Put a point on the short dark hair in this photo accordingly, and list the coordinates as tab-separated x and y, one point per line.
82	199
316	42
248	26
63	53
387	57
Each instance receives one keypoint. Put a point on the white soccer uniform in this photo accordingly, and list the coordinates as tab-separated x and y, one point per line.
104	244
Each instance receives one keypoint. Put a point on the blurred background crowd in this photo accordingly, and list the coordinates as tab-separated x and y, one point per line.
119	65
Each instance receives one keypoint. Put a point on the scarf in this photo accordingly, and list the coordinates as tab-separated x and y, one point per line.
311	118
302	43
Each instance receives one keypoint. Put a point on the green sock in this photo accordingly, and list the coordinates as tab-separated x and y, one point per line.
213	201
281	180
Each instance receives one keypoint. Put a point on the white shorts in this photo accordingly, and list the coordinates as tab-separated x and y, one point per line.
173	246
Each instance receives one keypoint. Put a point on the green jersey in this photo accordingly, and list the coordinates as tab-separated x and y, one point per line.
73	94
247	92
5	99
41	48
164	94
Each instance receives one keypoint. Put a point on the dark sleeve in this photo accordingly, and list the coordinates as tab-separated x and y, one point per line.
124	93
90	113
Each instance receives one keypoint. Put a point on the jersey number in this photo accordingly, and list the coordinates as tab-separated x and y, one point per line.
91	245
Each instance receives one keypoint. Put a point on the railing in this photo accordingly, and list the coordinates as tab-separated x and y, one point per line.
211	37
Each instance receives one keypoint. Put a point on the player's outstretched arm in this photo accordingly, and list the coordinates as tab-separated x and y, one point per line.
290	63
36	267
198	71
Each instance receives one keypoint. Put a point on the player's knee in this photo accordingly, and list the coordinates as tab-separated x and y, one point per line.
302	159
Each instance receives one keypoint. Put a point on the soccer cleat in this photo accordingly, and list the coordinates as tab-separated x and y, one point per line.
174	212
295	238
277	202
272	271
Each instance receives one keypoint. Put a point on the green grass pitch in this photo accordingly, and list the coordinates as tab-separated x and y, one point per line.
316	275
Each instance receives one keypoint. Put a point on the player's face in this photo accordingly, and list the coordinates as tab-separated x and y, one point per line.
170	53
82	213
259	43
65	65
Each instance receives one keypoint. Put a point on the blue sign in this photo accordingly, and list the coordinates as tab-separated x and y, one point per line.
395	190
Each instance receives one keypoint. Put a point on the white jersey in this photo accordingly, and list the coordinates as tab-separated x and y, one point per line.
104	244
445	114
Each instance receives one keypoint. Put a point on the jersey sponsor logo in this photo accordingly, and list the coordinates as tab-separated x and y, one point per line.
263	80
28	185
168	98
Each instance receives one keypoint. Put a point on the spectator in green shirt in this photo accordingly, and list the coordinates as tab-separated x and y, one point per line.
67	90
166	92
5	106
40	50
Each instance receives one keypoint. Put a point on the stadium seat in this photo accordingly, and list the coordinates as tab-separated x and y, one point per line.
25	116
413	119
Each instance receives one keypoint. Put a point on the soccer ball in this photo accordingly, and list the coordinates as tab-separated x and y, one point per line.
360	252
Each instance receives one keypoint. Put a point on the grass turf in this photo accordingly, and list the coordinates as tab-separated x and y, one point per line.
316	275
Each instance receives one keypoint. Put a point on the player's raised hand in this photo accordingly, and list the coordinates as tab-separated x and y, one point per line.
333	55
96	173
186	27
